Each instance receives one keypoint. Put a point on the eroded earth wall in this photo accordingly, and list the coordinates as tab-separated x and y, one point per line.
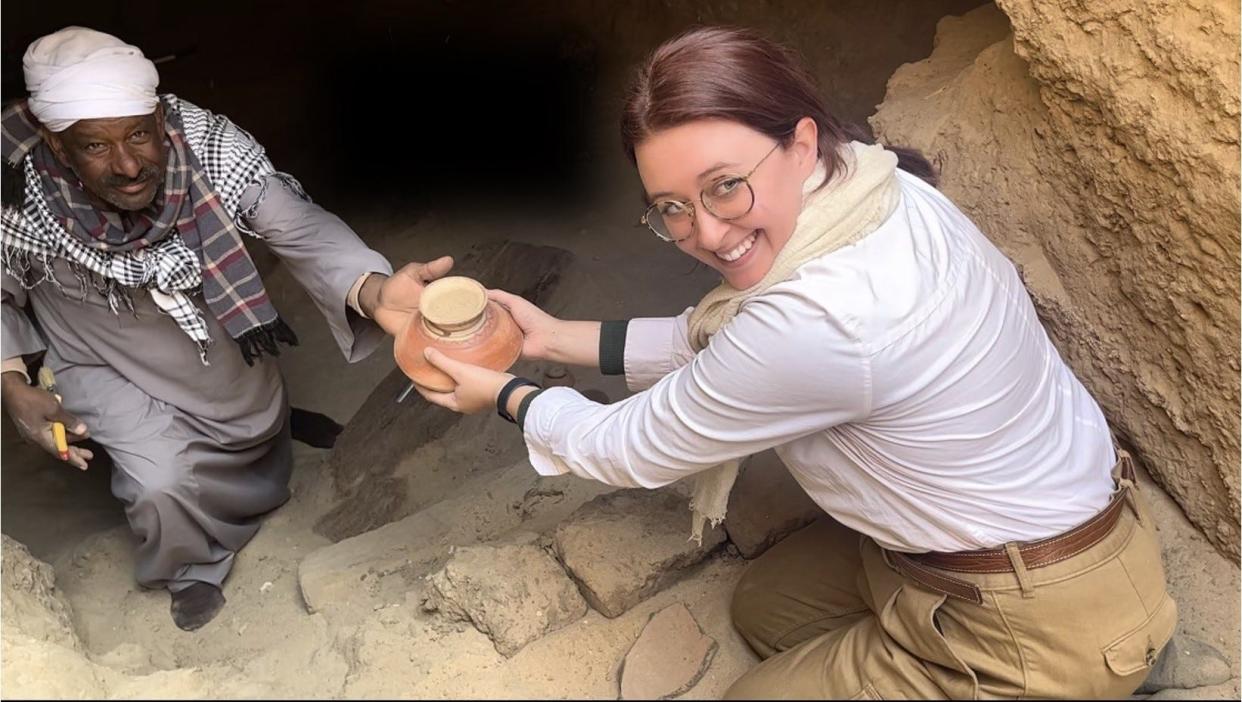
1097	145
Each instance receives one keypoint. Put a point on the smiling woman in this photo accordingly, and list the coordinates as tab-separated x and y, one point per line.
871	334
702	118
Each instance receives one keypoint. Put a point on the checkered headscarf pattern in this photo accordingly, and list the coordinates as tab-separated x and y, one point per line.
192	241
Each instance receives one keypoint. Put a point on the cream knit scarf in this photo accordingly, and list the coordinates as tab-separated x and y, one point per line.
849	208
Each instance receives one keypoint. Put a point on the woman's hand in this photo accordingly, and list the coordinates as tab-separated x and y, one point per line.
477	387
539	327
549	338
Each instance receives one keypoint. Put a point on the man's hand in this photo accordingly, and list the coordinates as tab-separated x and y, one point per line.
391	300
34	409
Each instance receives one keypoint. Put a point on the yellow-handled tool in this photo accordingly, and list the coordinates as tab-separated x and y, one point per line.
47	381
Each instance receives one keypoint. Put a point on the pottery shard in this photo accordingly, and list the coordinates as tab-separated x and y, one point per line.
627	545
766	505
513	593
669	657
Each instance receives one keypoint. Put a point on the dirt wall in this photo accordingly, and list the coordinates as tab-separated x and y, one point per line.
1097	144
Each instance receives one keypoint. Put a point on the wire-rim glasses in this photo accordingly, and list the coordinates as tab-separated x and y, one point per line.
727	197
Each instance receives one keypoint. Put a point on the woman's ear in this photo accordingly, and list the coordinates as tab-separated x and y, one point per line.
806	144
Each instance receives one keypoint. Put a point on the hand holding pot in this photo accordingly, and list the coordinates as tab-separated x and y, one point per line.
391	300
455	317
539	328
475	388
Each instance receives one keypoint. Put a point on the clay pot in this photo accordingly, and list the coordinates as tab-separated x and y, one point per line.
455	317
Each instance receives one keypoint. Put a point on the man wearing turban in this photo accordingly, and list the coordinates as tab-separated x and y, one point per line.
122	234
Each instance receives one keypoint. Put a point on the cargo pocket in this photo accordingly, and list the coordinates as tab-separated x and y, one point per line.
1136	650
931	666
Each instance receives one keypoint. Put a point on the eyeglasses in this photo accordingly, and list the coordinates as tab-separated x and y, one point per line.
727	197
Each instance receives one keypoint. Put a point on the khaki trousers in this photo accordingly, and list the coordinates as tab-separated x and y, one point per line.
833	619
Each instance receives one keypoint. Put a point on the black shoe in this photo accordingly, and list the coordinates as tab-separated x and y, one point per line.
196	605
313	429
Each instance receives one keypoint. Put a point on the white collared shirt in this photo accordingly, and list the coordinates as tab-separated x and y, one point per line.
905	380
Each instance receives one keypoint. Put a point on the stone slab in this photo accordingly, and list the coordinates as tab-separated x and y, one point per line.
383	564
766	505
627	545
513	593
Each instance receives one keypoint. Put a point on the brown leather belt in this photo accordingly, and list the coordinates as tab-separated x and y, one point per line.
1034	554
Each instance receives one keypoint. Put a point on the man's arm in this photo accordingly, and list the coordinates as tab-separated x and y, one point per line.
20	336
325	256
32	409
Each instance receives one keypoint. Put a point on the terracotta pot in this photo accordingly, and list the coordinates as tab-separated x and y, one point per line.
455	317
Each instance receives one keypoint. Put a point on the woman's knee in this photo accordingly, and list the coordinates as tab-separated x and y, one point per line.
742	607
749	610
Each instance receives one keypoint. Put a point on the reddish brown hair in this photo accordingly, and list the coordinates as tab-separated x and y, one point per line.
736	74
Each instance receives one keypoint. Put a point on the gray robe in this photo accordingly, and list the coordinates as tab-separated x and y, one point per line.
201	452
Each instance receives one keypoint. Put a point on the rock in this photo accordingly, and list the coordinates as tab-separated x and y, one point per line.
1226	691
370	467
38	669
31	602
513	593
43	656
669	657
627	545
1097	146
766	505
1186	663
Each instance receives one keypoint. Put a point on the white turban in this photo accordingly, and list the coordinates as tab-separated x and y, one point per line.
79	73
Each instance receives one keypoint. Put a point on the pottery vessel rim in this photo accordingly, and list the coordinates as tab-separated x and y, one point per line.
442	322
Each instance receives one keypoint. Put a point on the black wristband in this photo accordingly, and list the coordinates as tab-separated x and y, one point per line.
503	398
612	347
524	406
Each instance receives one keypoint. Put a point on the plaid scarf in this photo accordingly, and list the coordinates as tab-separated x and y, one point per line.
187	240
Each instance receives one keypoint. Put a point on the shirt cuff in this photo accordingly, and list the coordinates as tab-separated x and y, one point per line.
648	351
612	347
536	421
352	298
15	365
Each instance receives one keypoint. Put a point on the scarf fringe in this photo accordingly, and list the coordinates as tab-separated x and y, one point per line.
17	263
253	344
266	338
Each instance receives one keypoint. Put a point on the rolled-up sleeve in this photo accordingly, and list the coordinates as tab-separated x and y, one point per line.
655	347
780	370
20	335
324	255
